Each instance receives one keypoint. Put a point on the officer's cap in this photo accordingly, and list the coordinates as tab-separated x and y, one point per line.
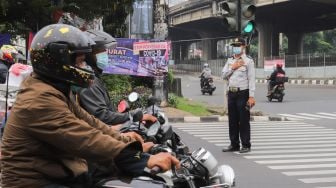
238	42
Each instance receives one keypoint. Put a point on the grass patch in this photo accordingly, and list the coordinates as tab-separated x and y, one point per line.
194	108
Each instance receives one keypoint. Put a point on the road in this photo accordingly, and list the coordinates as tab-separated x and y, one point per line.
306	103
285	154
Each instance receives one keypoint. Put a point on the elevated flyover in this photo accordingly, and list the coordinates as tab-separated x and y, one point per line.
197	19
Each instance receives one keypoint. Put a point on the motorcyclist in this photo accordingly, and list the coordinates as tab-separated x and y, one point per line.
278	72
49	138
206	73
96	99
6	60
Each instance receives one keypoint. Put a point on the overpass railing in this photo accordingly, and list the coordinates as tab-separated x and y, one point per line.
296	66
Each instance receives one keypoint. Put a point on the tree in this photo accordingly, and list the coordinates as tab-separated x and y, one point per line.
319	42
21	16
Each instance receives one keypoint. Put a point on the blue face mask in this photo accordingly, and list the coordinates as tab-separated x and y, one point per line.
102	60
236	50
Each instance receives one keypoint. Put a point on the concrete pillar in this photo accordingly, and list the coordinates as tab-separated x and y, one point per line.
268	42
180	50
295	43
209	48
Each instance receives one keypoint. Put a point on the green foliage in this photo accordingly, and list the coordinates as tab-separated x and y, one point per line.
195	108
142	81
320	42
172	100
20	16
118	84
170	76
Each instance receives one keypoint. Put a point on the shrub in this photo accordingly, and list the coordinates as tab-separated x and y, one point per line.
172	100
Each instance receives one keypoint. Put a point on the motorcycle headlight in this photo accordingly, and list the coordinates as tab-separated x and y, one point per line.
206	159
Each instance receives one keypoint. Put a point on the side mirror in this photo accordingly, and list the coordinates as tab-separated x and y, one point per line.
132	97
137	116
123	106
152	101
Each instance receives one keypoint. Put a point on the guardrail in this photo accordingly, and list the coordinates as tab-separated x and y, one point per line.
296	66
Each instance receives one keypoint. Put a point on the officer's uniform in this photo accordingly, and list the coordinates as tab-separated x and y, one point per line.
241	86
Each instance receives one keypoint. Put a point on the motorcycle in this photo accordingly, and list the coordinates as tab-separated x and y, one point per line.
198	169
208	85
278	91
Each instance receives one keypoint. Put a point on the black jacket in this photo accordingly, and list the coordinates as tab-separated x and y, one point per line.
3	72
96	101
275	73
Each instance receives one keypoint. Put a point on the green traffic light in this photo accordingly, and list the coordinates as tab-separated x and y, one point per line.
249	27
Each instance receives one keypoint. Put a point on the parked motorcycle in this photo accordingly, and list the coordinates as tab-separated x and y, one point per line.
278	91
208	85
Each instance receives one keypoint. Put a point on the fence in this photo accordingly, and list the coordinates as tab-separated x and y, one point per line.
296	66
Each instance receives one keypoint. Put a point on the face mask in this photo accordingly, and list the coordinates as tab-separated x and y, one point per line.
102	60
236	50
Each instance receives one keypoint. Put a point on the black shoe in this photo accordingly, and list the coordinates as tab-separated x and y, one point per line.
230	149
245	150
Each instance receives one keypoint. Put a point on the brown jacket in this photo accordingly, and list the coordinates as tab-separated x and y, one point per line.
45	131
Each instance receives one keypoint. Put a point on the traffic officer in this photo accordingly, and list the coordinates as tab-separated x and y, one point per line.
240	73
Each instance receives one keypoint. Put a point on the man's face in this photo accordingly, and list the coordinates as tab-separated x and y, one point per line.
80	61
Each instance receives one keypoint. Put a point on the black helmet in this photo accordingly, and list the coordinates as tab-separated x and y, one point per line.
53	53
102	39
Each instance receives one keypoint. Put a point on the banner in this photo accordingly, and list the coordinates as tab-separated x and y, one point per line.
153	57
132	57
269	65
4	39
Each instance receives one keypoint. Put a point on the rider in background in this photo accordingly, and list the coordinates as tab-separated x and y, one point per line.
206	73
278	72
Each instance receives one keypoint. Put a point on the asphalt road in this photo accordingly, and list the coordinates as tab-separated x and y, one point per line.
284	154
310	100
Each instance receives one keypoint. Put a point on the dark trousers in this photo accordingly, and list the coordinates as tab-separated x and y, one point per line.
239	118
271	85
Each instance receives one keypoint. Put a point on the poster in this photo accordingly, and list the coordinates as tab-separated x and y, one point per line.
140	58
122	60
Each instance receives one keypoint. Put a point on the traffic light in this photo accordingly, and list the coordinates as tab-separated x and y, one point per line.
230	10
247	16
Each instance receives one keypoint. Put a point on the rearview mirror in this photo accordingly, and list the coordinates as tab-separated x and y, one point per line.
133	96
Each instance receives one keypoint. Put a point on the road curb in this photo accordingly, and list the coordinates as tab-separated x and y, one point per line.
196	119
325	82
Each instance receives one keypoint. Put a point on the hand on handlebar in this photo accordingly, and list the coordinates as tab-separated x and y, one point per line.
147	146
149	117
133	135
164	161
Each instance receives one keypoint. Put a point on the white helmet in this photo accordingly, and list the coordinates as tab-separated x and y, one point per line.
206	65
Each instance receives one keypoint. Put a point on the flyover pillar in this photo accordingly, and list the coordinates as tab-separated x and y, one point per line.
180	50
209	48
295	43
268	42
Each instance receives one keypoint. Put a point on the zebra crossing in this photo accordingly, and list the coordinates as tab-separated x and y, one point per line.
309	116
304	151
